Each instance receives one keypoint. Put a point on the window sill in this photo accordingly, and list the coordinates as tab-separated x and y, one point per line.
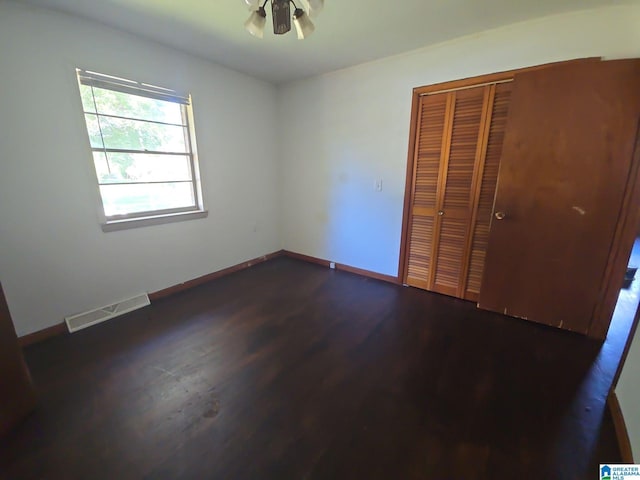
115	225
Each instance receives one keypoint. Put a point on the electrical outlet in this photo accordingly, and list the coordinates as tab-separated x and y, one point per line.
378	185
332	265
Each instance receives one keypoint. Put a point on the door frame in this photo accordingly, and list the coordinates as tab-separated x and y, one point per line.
418	92
621	246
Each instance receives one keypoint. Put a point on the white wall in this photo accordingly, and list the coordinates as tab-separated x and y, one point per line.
54	258
344	130
628	393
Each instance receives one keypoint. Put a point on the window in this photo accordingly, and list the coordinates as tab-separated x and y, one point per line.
143	150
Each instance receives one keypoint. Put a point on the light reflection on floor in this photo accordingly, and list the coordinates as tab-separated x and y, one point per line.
628	300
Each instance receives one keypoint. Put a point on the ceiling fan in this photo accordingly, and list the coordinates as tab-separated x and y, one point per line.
281	13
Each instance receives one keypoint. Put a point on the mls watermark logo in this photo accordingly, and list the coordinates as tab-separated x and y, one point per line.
619	472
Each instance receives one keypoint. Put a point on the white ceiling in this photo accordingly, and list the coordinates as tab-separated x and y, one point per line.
348	32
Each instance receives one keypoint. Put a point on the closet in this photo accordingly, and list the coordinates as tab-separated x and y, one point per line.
520	190
458	141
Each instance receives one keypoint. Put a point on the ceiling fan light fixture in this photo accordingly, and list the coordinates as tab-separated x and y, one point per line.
302	22
256	22
281	13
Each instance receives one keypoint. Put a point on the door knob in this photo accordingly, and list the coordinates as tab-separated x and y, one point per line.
500	215
440	212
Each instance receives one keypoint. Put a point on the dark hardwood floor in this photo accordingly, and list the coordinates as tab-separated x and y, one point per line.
293	371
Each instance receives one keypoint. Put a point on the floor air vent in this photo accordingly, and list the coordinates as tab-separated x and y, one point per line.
86	319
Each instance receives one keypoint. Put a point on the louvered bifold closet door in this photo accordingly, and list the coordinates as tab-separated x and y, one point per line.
462	171
499	98
430	146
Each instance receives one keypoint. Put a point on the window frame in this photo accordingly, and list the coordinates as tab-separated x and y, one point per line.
130	87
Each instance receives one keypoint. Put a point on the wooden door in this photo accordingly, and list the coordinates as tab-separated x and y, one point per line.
433	125
488	173
565	164
459	175
458	140
18	396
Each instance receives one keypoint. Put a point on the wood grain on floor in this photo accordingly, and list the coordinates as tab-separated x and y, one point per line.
289	370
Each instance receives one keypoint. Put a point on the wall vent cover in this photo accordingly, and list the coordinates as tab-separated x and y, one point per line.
92	317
